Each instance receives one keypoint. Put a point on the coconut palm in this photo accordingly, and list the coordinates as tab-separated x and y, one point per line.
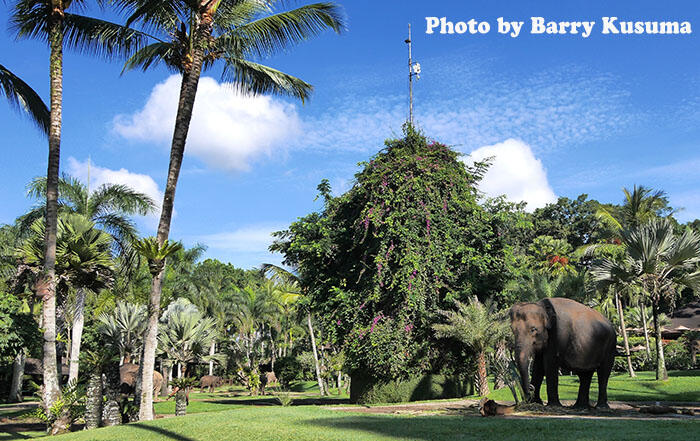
20	95
50	21
190	37
659	263
478	326
641	205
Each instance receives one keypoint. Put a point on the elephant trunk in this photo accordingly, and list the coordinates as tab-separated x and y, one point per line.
523	361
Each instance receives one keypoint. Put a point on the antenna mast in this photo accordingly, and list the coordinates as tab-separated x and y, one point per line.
413	71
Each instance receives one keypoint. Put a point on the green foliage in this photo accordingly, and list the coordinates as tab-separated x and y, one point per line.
406	240
184	383
289	369
156	253
475	324
420	388
18	330
23	97
285	398
70	405
573	221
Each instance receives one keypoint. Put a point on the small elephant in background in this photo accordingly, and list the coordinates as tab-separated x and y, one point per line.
211	382
562	333
127	378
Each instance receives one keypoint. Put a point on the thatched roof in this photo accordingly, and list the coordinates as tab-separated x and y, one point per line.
33	366
686	318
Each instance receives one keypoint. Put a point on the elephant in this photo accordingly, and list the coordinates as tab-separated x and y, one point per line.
562	333
211	382
127	378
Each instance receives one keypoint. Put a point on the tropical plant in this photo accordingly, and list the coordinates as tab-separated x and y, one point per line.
84	263
109	206
124	327
182	394
659	263
22	96
49	21
478	326
191	37
186	336
640	206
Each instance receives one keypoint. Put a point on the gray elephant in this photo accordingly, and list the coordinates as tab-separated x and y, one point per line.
562	333
211	382
127	376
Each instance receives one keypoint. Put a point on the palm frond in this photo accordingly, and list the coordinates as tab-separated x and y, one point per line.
152	55
20	95
268	35
253	78
101	38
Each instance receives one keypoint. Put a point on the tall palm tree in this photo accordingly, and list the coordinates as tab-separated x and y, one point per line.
50	21
186	336
19	94
191	36
478	326
124	328
659	262
641	205
293	283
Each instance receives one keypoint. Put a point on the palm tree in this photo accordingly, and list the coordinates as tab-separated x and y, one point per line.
293	283
19	94
83	262
48	20
479	327
191	37
124	328
109	206
186	336
641	205
659	263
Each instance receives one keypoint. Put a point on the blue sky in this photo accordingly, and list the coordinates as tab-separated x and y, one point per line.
562	114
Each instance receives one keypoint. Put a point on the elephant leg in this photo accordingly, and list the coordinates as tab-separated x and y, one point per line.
603	376
551	370
583	400
537	376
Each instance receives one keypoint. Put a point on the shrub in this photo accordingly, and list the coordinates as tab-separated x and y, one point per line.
424	387
288	370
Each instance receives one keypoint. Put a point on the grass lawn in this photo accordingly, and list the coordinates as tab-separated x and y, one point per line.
317	423
683	386
229	414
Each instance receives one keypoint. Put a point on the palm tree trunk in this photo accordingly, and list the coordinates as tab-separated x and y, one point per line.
661	373
17	374
315	351
620	315
111	415
188	93
212	351
483	378
643	309
181	402
52	390
93	399
76	335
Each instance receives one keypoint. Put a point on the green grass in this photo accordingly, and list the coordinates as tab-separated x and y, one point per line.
316	423
683	386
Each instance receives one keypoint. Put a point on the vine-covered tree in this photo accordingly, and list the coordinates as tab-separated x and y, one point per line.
382	259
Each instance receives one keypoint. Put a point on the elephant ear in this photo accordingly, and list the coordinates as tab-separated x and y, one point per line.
550	315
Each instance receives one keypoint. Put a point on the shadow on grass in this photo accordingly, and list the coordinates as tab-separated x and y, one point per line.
429	428
14	430
272	401
159	430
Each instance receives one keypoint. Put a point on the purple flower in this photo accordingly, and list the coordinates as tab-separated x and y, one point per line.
338	323
409	327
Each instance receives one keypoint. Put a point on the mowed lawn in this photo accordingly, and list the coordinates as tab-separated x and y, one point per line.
228	415
318	423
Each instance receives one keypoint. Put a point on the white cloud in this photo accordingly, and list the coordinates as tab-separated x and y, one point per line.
514	172
100	175
228	130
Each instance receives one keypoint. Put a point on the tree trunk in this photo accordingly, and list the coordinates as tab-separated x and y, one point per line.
212	351
17	374
170	378
76	336
181	402
93	399
188	93
52	390
618	305
643	309
483	378
315	351
110	412
661	373
164	385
